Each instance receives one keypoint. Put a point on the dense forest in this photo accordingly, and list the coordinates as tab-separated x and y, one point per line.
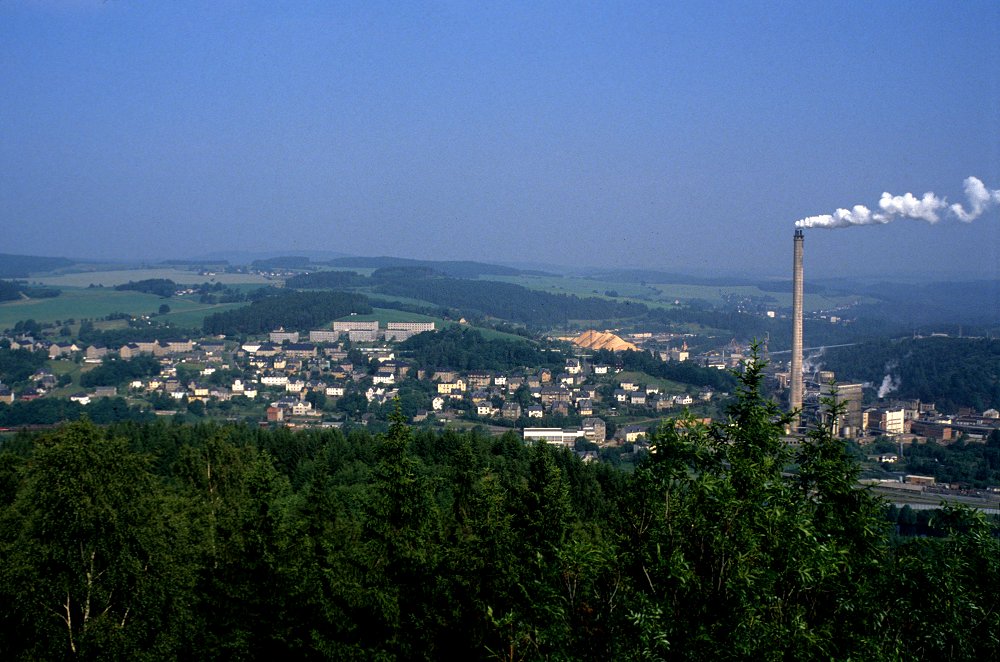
455	268
163	541
291	310
115	338
975	464
328	280
9	290
50	411
466	349
12	290
17	365
114	371
969	302
950	372
22	266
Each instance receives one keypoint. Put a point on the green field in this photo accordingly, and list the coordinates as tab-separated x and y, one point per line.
190	314
95	303
664	294
584	287
121	276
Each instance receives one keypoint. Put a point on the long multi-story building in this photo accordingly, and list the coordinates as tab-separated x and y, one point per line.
417	327
355	325
281	336
324	335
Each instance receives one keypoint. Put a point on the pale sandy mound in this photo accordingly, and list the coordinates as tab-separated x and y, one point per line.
603	340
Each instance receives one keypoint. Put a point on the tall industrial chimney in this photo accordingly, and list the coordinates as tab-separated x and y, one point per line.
795	396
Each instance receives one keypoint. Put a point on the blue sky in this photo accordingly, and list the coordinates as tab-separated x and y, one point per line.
603	134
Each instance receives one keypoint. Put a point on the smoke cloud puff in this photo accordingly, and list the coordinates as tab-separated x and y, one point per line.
889	384
927	208
980	199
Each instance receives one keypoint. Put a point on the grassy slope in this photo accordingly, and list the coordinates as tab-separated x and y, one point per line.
95	303
118	277
663	295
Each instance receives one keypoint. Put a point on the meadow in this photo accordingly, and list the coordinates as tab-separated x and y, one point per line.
663	295
110	278
98	302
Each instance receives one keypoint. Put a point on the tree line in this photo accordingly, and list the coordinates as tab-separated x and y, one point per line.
292	310
164	541
949	372
458	348
685	372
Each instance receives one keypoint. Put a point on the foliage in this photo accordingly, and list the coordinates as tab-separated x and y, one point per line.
21	266
974	464
454	268
91	569
13	290
157	540
949	372
9	291
329	280
50	411
684	372
746	326
459	348
509	302
17	365
291	310
115	338
163	287
114	371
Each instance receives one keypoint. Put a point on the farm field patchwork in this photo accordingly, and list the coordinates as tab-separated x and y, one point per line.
111	278
98	302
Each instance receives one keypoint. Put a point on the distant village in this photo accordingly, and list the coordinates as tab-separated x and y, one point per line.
294	373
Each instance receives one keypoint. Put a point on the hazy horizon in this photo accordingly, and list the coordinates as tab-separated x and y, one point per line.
686	139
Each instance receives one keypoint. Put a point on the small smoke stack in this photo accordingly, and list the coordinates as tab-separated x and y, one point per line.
795	396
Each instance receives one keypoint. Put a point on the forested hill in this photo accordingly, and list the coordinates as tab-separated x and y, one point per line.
326	280
458	348
971	302
292	310
22	266
510	302
155	541
950	372
457	268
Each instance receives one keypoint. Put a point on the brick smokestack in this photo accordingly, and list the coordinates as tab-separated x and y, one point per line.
795	396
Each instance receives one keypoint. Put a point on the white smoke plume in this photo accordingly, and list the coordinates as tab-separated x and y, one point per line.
889	383
811	363
927	208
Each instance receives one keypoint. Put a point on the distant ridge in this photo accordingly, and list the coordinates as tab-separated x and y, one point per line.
603	340
21	266
455	268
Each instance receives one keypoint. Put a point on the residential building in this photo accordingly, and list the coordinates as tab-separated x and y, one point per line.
281	336
324	335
